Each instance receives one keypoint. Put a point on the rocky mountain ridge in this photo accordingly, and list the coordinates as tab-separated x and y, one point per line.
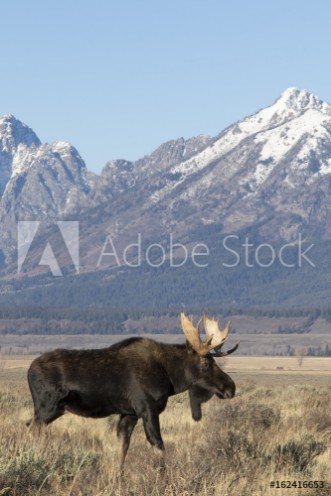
272	171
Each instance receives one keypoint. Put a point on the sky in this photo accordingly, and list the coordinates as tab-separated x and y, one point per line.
117	79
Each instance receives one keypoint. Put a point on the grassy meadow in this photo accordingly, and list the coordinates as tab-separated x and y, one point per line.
278	427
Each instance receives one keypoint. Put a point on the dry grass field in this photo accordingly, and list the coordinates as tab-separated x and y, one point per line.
278	427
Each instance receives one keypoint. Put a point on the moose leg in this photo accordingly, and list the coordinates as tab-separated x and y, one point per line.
48	399
151	424
35	426
46	411
125	427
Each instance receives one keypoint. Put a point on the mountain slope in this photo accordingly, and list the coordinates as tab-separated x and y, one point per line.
267	177
269	172
271	163
15	138
40	181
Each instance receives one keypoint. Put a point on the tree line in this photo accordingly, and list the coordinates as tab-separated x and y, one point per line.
37	319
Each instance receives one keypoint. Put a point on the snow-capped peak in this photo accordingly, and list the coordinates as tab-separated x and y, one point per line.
274	130
13	132
60	146
299	100
7	117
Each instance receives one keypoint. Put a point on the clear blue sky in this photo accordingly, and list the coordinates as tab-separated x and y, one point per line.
116	79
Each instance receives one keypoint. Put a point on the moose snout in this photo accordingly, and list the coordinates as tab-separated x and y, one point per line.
229	393
229	390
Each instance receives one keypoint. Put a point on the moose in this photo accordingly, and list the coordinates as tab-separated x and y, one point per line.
133	378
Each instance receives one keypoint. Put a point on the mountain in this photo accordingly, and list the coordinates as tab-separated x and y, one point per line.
15	139
38	181
272	165
267	176
271	169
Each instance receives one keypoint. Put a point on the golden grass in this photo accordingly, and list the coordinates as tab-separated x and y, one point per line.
264	434
239	363
279	363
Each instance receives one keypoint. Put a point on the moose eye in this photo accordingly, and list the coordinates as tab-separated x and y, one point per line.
204	364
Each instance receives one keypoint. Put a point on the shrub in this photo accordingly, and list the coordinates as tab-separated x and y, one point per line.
298	454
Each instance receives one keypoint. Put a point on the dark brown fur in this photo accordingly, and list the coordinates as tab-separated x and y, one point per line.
133	378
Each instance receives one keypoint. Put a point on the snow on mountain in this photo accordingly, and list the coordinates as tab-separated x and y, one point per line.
263	170
39	181
269	165
13	132
290	139
278	128
39	169
15	138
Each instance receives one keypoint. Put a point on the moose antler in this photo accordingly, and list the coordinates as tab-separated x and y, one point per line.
193	336
215	337
219	353
218	336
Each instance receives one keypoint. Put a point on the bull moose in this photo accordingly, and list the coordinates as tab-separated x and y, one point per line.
133	378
